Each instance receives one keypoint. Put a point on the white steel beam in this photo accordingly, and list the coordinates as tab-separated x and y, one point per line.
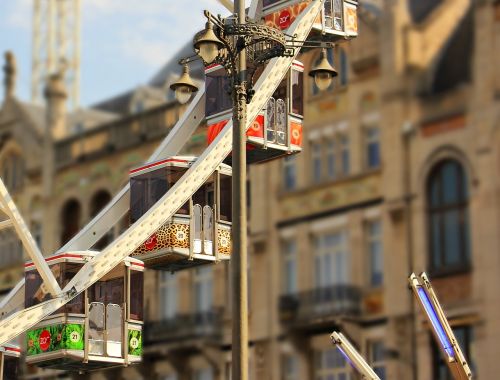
5	224
441	329
13	301
120	204
29	243
211	158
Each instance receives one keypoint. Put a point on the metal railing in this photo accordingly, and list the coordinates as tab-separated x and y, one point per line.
333	301
207	325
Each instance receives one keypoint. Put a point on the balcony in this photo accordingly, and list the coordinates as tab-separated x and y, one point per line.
319	308
203	326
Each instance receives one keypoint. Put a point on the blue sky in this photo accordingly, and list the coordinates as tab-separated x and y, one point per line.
123	43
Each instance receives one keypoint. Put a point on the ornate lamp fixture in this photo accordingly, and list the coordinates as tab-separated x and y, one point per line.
224	38
323	72
184	86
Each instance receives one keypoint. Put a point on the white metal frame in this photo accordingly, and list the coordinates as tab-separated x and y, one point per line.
197	174
353	356
15	220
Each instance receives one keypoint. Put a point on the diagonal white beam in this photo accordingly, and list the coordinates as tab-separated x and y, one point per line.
5	224
172	201
29	243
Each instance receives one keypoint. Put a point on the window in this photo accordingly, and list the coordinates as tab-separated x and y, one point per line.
330	159
170	376
290	267
218	98
316	162
465	338
168	295
376	352
36	231
289	173
375	252
203	374
344	152
11	249
203	289
70	220
372	139
344	68
329	364
331	260
290	368
13	172
449	236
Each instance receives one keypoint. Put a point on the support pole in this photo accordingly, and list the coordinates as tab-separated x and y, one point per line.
239	259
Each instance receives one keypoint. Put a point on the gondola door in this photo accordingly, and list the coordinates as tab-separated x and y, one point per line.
106	318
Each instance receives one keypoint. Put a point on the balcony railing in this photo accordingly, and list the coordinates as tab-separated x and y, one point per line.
320	305
183	327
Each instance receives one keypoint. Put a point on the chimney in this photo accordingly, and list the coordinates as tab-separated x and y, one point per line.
55	96
9	70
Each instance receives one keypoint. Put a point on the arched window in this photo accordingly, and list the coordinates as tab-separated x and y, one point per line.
70	219
448	218
98	202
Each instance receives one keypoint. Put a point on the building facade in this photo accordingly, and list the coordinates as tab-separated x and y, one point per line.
398	173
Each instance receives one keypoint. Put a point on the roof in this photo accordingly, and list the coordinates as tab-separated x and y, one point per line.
454	65
121	104
34	112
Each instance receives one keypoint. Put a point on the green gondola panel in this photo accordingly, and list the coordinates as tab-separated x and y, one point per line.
100	328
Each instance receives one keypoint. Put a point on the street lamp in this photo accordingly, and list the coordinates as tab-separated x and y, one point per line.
323	72
207	45
225	41
184	86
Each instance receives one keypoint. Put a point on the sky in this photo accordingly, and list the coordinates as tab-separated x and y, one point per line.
123	42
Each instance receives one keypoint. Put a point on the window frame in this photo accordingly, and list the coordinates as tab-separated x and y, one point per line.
441	210
289	171
375	362
438	362
322	371
289	255
371	238
368	142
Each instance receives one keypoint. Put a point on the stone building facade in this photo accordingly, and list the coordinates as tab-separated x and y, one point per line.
398	174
